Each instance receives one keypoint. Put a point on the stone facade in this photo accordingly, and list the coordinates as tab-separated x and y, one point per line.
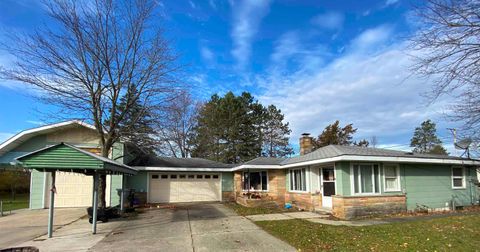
304	200
228	196
358	206
276	189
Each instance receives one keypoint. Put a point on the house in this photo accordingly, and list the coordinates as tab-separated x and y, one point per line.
349	181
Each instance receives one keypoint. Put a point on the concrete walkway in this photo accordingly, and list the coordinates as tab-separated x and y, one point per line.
191	227
25	225
76	236
323	218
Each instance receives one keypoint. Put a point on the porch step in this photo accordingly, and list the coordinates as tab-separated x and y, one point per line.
323	210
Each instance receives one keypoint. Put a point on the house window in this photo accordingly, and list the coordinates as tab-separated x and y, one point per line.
392	178
182	176
215	176
365	178
173	176
191	176
207	176
155	176
458	177
164	176
255	181
298	180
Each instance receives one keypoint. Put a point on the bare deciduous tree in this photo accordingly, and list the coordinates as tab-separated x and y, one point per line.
87	60
447	49
177	126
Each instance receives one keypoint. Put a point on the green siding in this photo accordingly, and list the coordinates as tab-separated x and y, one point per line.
115	183
138	182
342	170
37	189
431	185
62	157
227	182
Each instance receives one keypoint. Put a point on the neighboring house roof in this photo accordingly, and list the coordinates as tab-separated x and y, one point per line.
331	151
23	136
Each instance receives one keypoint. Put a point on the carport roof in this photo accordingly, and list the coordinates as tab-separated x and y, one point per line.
66	157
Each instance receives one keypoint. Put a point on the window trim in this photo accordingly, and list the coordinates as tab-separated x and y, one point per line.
463	177
261	182
397	173
290	180
352	178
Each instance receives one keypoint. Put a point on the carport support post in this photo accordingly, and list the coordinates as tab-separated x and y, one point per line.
52	205
122	194
95	203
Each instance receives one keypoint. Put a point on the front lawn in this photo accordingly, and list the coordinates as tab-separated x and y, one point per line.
458	233
20	201
244	211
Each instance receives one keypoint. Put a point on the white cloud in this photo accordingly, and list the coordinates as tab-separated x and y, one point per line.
371	38
390	2
207	54
329	20
247	16
373	90
192	4
35	122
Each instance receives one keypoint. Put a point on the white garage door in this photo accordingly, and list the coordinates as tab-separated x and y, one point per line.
73	190
174	187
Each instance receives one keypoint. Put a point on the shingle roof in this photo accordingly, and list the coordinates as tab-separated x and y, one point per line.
179	162
265	161
340	150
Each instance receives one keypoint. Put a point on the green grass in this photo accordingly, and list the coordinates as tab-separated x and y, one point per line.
20	202
244	211
458	233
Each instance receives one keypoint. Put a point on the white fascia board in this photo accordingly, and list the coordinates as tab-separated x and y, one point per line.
186	169
257	167
385	159
42	128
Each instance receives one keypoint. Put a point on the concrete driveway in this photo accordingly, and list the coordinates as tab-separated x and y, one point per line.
190	227
25	225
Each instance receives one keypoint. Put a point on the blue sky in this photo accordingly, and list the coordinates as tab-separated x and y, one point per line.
317	61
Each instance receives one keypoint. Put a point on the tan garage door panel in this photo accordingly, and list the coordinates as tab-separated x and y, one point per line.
73	190
166	188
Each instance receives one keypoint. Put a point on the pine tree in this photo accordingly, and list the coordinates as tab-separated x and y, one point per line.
137	126
334	134
275	134
232	129
425	139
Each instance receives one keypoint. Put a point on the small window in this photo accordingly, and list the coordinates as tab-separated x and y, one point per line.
155	176
215	176
208	176
298	180
191	176
365	178
255	181
392	178
173	176
164	176
458	177
199	176
182	176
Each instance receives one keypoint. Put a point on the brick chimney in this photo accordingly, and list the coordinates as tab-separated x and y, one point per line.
306	144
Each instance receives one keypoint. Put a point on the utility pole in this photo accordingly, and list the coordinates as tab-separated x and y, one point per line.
454	132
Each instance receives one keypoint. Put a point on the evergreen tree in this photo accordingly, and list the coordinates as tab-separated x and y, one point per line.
334	134
232	129
425	139
275	134
137	125
362	143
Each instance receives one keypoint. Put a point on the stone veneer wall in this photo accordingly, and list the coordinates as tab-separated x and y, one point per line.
228	196
307	201
357	206
276	187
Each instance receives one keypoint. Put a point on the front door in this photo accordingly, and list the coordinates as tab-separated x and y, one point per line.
328	186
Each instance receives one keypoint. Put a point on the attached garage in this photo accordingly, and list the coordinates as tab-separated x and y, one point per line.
73	190
184	187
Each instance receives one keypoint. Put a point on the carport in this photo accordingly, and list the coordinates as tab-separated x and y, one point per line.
68	158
